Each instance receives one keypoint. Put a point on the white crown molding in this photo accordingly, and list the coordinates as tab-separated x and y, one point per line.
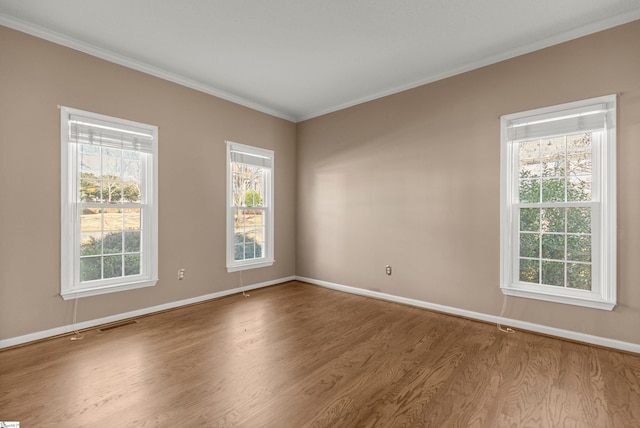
537	328
115	58
573	34
63	40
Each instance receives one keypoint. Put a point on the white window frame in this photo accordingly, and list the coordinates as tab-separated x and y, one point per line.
71	207
546	121
267	258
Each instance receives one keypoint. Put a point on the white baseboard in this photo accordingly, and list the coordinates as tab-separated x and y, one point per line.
5	343
538	328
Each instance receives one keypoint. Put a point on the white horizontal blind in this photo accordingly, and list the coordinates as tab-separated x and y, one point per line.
583	119
250	158
84	130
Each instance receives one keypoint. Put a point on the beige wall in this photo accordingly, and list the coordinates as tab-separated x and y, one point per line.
35	77
410	180
413	180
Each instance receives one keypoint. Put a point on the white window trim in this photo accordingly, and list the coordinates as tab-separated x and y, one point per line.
603	296
268	201
70	287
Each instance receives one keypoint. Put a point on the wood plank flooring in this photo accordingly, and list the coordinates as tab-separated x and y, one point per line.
298	355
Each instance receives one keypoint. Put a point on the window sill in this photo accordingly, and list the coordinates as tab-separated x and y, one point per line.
252	265
105	289
588	301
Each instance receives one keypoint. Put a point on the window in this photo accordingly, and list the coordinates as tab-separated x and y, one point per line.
558	203
109	204
249	207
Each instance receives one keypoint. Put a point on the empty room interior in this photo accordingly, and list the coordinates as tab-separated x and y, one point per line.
330	214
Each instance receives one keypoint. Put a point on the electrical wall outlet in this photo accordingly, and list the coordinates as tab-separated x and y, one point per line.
388	269
181	274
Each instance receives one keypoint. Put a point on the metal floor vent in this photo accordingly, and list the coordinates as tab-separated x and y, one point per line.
112	326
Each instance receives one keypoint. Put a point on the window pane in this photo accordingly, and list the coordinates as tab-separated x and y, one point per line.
112	266
530	219
579	188
553	190
112	219
252	198
131	177
90	160
530	271
91	232
236	185
132	241
90	268
132	264
553	247
553	219
112	164
131	192
579	142
579	276
132	218
112	191
553	157
91	220
131	169
247	185
91	244
529	245
90	190
239	251
553	273
112	243
579	248
130	155
250	250
579	220
529	190
529	153
579	157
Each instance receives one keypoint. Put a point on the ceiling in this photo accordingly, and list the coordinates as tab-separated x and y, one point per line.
298	59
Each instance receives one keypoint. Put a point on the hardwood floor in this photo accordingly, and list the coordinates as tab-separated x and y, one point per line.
297	355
